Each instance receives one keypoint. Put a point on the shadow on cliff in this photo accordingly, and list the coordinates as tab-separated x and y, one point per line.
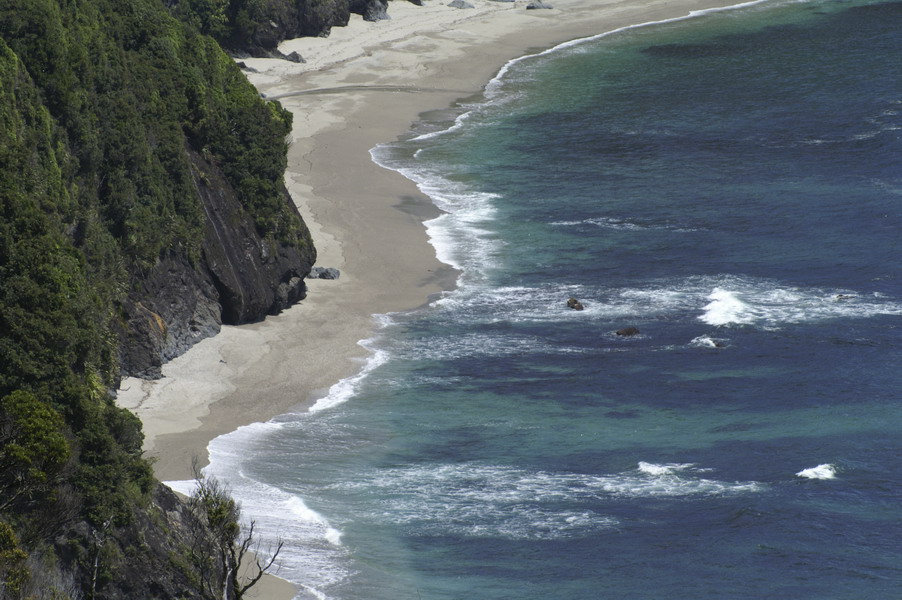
241	277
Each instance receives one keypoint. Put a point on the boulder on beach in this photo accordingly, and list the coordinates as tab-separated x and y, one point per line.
575	304
371	10
295	58
627	331
460	4
536	4
323	273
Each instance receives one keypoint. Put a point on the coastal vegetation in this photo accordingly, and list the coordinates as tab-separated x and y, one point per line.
115	119
255	27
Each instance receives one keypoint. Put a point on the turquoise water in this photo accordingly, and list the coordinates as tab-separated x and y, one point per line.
730	185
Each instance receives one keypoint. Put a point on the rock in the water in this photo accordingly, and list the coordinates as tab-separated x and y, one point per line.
460	4
295	58
535	4
627	331
575	304
323	273
417	2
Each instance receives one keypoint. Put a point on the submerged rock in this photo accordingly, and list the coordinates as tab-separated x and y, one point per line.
460	4
627	331
536	4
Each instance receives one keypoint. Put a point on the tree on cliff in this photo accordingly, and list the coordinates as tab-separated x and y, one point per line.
221	544
116	123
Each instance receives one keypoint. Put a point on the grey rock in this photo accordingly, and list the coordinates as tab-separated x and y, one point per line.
295	58
536	4
460	4
239	277
323	273
371	10
575	304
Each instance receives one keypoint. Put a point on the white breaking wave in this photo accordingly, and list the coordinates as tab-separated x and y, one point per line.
721	300
825	471
743	301
313	555
345	389
622	224
479	344
706	341
477	500
462	237
665	469
727	308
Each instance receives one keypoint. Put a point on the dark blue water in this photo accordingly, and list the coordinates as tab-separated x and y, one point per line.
729	185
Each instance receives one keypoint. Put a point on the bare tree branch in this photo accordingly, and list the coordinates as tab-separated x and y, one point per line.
220	543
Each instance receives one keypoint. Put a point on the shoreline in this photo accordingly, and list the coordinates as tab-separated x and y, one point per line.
366	84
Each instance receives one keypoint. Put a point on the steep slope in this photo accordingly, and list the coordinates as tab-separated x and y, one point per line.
255	27
141	205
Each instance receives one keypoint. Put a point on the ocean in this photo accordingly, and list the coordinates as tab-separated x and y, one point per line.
730	185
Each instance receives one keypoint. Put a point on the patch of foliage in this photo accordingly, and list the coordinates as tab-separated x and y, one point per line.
100	102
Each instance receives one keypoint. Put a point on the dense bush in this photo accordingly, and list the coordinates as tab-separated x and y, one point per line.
100	102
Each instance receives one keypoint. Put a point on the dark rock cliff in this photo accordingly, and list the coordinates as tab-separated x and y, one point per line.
256	28
141	205
241	277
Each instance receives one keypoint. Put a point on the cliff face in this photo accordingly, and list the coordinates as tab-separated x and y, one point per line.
141	205
255	28
240	277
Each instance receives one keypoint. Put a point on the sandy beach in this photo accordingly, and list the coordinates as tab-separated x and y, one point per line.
363	85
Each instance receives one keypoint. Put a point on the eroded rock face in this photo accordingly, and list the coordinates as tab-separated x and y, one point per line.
240	277
371	10
317	17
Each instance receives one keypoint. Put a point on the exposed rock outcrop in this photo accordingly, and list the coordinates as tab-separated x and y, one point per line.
323	273
537	4
371	10
575	304
240	277
258	33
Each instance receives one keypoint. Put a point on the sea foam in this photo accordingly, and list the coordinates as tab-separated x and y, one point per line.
727	307
479	500
313	555
825	471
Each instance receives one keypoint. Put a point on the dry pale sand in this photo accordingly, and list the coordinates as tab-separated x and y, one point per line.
363	85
